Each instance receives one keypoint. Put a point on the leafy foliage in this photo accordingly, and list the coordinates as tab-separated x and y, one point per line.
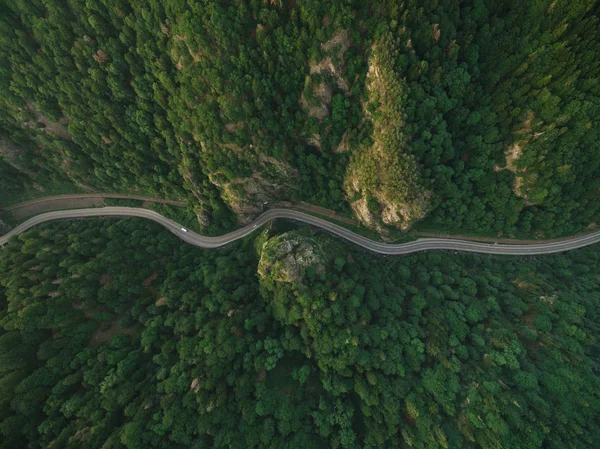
114	333
492	107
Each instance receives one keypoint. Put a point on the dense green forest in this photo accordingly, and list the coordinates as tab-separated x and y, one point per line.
113	333
464	116
478	115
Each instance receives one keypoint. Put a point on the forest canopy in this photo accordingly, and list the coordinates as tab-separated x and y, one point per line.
476	115
471	116
113	333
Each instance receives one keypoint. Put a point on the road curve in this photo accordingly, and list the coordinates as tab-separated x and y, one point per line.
423	244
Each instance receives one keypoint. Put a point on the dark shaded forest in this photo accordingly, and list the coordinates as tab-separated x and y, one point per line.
463	116
476	115
113	333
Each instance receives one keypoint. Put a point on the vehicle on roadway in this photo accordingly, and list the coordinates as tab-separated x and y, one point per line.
431	244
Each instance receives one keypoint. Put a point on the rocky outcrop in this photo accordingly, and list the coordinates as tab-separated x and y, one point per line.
383	181
323	76
286	257
514	153
247	196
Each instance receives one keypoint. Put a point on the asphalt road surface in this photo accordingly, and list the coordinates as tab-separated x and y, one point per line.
424	244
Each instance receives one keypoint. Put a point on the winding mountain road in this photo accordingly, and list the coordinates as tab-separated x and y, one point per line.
423	244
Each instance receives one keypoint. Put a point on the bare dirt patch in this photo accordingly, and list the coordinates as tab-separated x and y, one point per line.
340	39
526	123
513	153
323	94
100	56
436	32
344	144
315	140
331	66
340	42
233	127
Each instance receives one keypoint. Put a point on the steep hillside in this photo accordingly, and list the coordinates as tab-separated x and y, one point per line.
473	116
293	340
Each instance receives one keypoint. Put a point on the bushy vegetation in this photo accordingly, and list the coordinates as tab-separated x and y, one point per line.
494	106
476	115
116	334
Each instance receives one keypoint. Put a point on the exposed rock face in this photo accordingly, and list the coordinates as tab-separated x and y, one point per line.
285	258
344	144
382	180
513	154
323	75
316	99
364	215
338	44
244	177
191	183
246	196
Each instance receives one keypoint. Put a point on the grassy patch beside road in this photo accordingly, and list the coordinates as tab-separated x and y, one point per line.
123	202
